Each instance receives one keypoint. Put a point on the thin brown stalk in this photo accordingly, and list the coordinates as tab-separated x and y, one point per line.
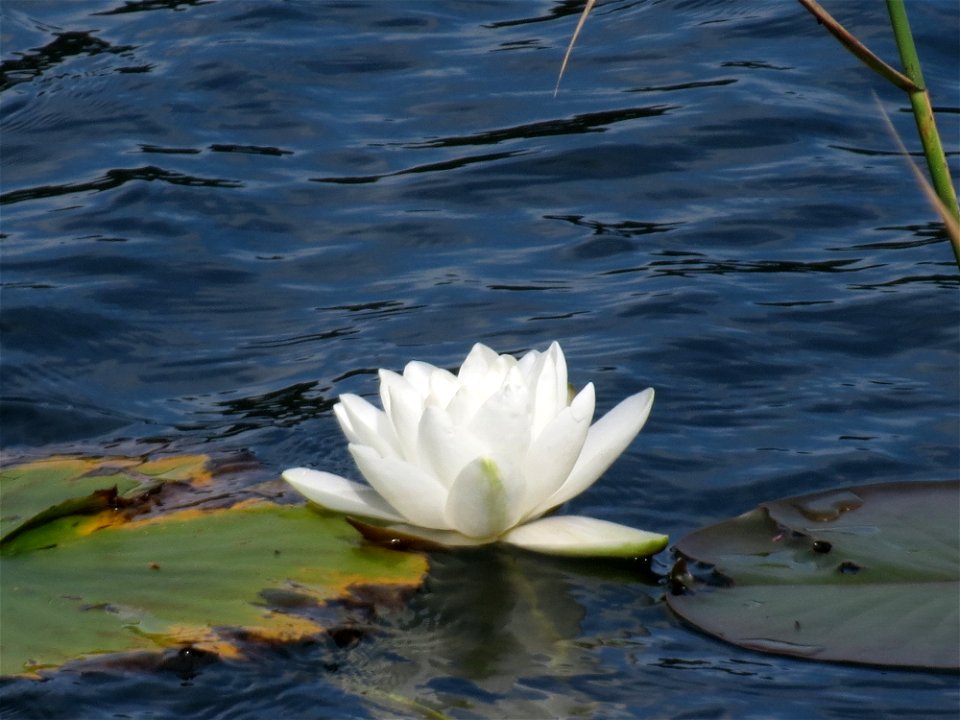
583	19
858	48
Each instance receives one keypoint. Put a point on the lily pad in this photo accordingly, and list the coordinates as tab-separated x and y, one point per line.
867	574
100	580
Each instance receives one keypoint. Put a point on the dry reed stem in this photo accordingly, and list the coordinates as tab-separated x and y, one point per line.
566	57
949	221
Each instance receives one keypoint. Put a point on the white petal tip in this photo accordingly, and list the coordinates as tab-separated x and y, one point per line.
576	536
301	476
338	494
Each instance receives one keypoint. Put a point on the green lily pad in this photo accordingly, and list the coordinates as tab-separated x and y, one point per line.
110	580
868	575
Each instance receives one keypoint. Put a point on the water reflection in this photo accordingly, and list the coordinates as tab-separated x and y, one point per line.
494	622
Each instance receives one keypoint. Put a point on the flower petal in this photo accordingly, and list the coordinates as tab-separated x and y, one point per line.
403	406
475	366
552	456
444	447
578	536
479	505
464	405
529	363
339	494
364	424
485	372
416	495
549	386
418	374
443	386
502	423
606	440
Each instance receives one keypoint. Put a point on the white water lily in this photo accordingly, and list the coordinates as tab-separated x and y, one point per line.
481	456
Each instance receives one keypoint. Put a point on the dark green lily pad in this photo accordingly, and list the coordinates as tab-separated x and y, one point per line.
105	580
867	575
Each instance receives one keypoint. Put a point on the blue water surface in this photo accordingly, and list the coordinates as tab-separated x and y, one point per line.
219	215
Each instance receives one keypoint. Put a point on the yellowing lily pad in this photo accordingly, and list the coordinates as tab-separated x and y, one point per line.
33	488
868	574
84	583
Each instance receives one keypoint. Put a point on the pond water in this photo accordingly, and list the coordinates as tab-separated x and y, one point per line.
218	216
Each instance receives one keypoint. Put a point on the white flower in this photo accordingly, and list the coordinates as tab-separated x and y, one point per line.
482	455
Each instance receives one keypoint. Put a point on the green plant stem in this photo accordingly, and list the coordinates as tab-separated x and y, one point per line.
943	195
923	110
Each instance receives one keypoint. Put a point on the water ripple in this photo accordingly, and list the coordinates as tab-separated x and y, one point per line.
114	179
65	45
710	206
